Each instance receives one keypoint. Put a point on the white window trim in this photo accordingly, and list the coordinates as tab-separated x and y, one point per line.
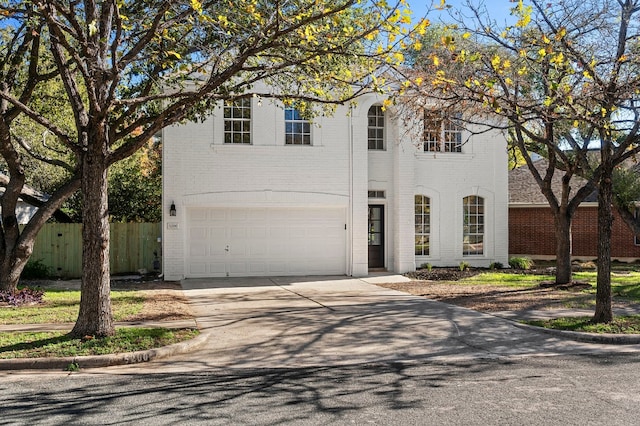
233	119
296	121
384	128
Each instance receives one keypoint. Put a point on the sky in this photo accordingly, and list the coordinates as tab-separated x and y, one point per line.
499	9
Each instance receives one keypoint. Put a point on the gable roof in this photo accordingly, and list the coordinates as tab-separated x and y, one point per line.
523	188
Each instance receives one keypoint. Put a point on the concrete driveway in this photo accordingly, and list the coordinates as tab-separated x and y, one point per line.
321	321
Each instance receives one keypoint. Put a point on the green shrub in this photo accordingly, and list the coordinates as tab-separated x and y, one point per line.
496	265
36	269
463	266
524	263
426	266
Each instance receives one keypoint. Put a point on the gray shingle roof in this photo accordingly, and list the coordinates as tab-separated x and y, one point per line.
524	189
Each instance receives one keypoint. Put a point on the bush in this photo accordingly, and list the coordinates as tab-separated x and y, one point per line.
25	296
36	269
496	265
524	263
426	266
463	266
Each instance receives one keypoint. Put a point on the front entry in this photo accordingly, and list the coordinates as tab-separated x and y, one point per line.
376	236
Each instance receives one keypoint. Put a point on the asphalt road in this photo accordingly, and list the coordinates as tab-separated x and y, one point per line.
574	390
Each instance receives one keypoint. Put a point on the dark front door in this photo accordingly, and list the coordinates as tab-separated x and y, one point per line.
376	236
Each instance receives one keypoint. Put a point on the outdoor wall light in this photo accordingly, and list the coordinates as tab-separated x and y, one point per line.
172	209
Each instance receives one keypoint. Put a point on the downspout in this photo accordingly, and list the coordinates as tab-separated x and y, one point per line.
349	238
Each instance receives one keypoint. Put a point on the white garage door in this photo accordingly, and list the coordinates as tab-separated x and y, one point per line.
265	241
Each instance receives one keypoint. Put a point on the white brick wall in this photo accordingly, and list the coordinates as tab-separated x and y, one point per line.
199	170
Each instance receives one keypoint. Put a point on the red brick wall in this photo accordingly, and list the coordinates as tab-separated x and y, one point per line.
531	233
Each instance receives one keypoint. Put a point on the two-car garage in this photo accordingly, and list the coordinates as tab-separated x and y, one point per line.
265	241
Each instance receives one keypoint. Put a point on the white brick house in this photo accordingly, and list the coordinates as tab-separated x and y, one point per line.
257	191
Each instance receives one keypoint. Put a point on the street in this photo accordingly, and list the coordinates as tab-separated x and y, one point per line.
569	390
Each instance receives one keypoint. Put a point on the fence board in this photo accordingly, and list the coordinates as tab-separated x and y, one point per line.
132	247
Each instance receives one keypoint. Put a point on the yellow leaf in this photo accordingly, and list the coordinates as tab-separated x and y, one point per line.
436	61
174	54
422	26
466	35
561	33
196	5
93	29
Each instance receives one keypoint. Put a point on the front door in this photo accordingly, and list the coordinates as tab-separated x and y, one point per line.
376	236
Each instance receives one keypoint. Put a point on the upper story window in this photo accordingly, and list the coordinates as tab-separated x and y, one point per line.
473	226
441	134
297	130
375	128
237	121
423	224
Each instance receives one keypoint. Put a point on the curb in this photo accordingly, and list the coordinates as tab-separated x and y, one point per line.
580	336
92	361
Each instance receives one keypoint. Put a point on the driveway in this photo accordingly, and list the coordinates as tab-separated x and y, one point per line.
321	321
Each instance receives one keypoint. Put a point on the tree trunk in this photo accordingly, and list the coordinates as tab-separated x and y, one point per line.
9	230
603	312
562	222
11	266
95	317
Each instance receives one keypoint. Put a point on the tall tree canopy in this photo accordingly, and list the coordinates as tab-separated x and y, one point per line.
28	76
130	68
563	77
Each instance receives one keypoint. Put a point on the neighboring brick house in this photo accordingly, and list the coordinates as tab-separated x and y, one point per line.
531	231
257	190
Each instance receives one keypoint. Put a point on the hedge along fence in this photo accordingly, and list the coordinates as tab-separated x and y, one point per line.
59	246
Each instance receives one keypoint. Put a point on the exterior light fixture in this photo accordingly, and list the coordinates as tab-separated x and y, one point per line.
172	209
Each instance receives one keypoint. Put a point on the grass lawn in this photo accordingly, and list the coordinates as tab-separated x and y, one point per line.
506	279
59	344
62	306
620	325
625	286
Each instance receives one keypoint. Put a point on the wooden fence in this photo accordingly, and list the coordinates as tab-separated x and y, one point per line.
133	246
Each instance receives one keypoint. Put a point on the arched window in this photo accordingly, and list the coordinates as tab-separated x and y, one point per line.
473	226
375	128
423	224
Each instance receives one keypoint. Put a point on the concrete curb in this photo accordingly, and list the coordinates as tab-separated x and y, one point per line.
92	361
605	339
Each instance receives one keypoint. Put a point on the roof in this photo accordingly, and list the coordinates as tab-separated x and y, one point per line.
523	188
